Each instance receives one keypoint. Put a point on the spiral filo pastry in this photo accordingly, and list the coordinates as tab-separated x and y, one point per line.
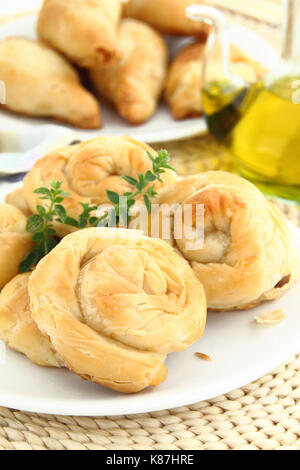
249	254
115	303
17	328
15	242
88	169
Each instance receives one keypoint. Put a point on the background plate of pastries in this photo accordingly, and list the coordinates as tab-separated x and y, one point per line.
105	67
148	323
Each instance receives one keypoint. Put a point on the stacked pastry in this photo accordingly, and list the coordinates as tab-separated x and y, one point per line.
123	56
111	304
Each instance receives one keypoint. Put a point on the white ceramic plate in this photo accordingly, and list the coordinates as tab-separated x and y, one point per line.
161	127
241	349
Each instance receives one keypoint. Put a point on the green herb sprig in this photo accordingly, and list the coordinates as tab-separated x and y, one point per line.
41	226
143	186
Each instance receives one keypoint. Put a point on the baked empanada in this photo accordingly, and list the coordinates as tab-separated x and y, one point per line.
40	82
167	16
184	81
86	31
135	83
15	242
17	328
89	169
248	255
115	303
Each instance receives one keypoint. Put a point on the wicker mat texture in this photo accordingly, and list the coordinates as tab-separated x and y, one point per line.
264	415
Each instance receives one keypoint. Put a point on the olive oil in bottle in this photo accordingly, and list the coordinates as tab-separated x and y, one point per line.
224	105
260	123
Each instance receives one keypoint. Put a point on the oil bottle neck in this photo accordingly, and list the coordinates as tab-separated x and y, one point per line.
291	32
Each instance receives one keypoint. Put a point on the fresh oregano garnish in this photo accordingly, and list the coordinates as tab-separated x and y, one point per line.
40	224
143	186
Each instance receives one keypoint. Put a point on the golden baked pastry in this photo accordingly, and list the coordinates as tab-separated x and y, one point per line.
184	80
40	82
17	198
248	255
84	31
134	84
115	303
89	169
15	242
167	16
17	328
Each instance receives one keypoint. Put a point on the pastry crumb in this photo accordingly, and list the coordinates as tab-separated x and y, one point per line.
271	317
205	357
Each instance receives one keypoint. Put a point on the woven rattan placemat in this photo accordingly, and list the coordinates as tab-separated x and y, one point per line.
261	416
